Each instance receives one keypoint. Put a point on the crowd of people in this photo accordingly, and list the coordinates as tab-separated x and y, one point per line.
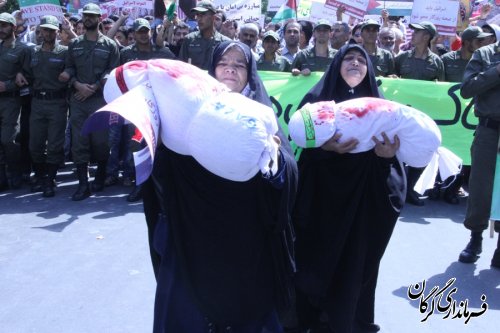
222	251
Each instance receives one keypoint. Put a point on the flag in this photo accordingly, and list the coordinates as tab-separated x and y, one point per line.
287	11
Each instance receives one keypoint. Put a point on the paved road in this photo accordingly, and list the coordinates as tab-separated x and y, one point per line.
83	267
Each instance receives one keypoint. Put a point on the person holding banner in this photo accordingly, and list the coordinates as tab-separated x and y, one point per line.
225	246
316	58
347	207
482	82
382	60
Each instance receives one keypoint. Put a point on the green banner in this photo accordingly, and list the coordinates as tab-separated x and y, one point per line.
440	100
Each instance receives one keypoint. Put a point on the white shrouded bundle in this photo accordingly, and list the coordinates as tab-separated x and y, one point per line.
232	137
364	118
180	90
227	133
125	78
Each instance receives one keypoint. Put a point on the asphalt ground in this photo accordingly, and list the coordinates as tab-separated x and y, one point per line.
82	267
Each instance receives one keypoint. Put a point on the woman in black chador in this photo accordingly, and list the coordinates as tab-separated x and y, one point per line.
347	206
225	246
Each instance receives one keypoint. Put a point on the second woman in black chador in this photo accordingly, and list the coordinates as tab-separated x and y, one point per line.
347	206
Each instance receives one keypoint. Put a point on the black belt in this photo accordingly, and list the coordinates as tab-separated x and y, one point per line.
9	94
490	123
48	95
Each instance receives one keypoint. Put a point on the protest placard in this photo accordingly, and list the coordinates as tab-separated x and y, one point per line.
33	10
443	13
241	11
355	8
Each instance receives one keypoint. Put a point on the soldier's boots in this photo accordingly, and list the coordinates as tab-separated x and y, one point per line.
4	184
100	177
473	249
38	179
83	190
50	181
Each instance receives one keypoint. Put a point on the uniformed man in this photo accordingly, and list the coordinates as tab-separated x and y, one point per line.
90	59
482	82
142	49
198	46
420	63
315	58
49	108
382	60
455	61
270	60
13	56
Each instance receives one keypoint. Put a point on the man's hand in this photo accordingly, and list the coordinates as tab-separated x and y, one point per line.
83	90
340	11
333	144
385	148
21	80
3	87
385	15
63	77
226	27
66	25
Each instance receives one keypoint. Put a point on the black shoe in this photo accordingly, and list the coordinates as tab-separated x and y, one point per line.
451	198
15	182
136	194
362	327
495	261
413	198
110	180
48	188
473	249
434	193
83	190
100	177
36	185
97	186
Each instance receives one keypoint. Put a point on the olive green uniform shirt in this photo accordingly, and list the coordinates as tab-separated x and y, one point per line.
89	62
131	53
12	61
383	62
278	64
482	81
307	59
198	50
428	69
46	66
454	66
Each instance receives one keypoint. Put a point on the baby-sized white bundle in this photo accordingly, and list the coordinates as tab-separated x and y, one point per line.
124	78
227	133
364	118
180	90
232	137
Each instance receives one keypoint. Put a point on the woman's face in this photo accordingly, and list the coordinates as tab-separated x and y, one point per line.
353	68
232	70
